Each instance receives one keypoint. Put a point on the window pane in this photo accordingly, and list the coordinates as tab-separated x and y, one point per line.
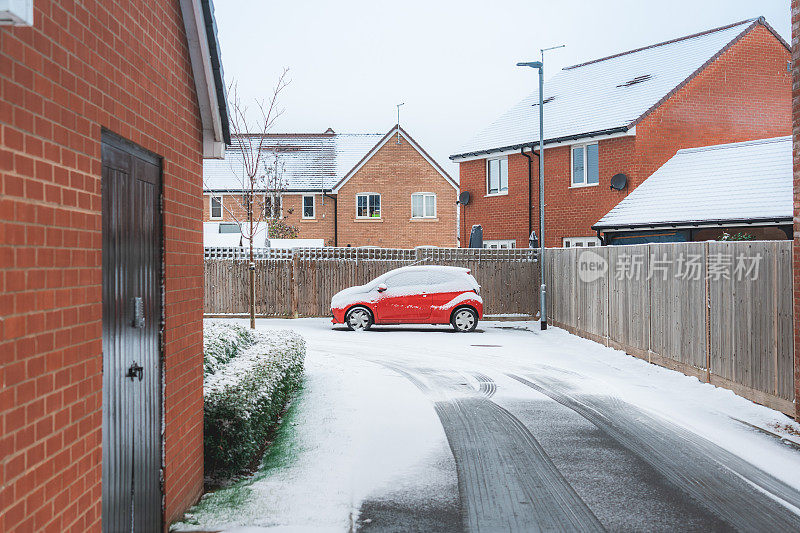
504	174
592	164
362	205
494	175
308	206
416	205
430	205
375	205
216	207
577	165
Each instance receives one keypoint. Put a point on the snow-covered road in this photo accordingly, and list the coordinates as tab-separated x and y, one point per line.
508	428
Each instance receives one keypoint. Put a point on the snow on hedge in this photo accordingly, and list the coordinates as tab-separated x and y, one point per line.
250	376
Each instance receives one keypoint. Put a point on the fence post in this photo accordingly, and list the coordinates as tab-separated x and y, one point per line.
707	314
295	285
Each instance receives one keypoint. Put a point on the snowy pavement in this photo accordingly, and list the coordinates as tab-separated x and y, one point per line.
508	428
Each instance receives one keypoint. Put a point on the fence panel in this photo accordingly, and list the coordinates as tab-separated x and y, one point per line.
719	310
301	282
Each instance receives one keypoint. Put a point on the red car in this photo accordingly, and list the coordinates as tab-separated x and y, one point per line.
412	295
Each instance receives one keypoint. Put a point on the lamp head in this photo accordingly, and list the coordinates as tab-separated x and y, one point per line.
532	64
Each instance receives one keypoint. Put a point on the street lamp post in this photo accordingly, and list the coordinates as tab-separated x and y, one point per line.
539	65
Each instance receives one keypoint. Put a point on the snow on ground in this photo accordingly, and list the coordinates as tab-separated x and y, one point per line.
360	429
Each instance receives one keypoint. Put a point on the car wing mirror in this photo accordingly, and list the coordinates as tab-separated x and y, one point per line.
382	287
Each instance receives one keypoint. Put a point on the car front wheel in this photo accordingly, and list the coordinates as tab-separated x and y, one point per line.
358	319
465	319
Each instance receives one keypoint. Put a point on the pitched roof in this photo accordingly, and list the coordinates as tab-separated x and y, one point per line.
746	181
310	161
607	95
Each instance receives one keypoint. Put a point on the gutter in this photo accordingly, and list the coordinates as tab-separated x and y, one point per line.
609	131
696	224
335	216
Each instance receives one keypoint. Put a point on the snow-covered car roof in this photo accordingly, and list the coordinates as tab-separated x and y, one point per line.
746	181
608	95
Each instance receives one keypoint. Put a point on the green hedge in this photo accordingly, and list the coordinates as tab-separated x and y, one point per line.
254	375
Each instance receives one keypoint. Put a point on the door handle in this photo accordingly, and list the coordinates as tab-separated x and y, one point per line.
138	312
135	371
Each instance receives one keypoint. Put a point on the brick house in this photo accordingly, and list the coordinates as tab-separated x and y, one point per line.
343	189
108	109
624	114
795	13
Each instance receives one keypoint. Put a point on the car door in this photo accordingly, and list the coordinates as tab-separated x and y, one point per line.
442	288
405	300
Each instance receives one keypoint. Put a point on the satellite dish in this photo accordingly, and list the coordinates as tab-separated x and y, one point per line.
619	182
463	198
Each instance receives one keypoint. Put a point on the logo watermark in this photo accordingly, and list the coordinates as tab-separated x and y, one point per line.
689	267
591	266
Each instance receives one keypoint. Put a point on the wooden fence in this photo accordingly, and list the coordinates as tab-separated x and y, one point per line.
301	282
721	311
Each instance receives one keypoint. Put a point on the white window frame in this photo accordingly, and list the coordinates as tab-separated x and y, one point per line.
313	206
500	190
424	195
583	183
211	216
500	244
580	242
380	208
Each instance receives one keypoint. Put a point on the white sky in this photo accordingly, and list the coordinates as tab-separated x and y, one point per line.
451	62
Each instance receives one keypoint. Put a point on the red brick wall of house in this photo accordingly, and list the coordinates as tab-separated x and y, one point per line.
396	171
83	66
796	178
744	94
319	227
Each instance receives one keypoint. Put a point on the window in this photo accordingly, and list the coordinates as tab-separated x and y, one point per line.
408	279
506	243
585	165
368	205
581	242
216	207
308	206
423	205
497	176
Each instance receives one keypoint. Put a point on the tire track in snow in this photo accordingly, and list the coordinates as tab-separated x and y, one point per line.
727	485
486	385
506	480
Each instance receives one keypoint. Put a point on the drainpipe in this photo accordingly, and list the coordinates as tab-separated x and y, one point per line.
530	187
335	217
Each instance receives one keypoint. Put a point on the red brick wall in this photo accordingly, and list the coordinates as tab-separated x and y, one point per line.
744	94
83	66
796	158
396	171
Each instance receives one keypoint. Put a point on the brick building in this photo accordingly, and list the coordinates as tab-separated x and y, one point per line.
624	114
795	7
343	189
107	110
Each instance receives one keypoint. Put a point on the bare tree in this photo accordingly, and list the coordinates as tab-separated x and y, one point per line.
259	171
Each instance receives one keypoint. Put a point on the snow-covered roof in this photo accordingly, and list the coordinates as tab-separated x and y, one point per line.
746	181
309	161
609	95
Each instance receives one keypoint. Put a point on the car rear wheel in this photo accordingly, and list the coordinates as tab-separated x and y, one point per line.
358	319
465	319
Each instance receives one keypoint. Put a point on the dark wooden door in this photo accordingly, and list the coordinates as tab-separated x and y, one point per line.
131	194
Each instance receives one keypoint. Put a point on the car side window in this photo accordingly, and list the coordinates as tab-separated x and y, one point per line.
407	279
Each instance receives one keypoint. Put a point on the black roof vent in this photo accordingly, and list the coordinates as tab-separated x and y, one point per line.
634	81
546	100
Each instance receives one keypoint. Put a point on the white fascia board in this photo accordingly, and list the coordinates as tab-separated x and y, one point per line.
16	12
200	55
698	225
583	140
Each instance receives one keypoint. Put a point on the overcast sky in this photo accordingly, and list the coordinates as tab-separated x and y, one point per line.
451	62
